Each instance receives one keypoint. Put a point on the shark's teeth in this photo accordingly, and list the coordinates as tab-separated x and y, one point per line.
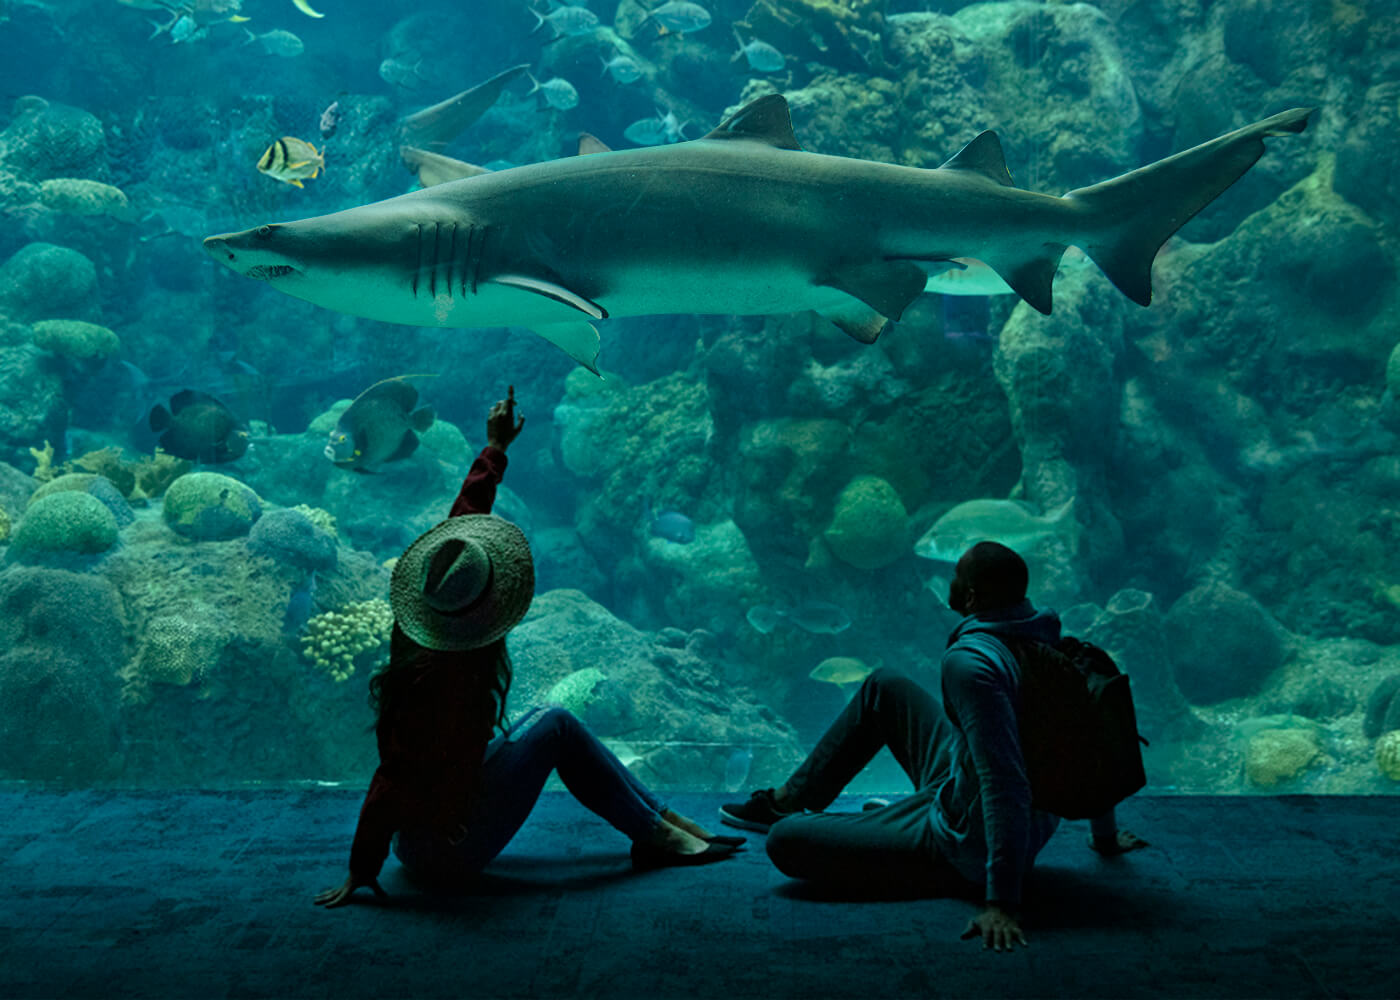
266	272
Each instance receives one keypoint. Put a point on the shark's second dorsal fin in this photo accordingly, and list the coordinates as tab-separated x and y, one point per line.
983	156
765	120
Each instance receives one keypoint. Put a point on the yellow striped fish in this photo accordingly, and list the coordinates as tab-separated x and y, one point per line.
292	160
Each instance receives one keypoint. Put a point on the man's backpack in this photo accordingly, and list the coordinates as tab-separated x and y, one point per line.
1078	728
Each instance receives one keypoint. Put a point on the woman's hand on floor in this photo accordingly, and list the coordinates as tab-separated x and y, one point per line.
1120	843
340	895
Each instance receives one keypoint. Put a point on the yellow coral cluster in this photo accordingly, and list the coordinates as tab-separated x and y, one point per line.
333	640
323	519
43	462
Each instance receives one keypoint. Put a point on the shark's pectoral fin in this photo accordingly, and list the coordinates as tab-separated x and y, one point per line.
578	340
552	290
879	291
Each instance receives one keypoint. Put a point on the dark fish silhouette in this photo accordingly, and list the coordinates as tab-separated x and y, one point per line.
200	428
379	426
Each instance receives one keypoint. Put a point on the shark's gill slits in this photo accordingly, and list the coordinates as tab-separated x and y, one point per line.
471	264
419	269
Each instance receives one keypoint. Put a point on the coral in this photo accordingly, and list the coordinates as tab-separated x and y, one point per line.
82	197
43	462
75	339
1388	754
179	649
1277	755
68	521
323	519
334	640
324	423
210	505
290	537
154	475
105	462
43	281
94	485
61	636
448	443
870	527
47	139
1382	708
575	692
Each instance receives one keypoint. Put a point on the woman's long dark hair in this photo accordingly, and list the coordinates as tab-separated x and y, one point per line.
489	666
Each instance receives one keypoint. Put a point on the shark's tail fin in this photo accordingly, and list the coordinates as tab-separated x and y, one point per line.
1134	214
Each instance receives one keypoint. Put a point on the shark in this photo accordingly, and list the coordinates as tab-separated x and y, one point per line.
741	221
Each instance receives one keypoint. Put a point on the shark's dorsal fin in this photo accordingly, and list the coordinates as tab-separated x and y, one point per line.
588	143
983	156
552	290
764	120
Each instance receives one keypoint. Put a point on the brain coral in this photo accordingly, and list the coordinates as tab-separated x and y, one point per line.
1388	754
290	537
870	527
67	521
82	197
1277	755
179	649
75	339
210	505
94	485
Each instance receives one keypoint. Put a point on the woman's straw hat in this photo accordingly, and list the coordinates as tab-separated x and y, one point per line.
464	583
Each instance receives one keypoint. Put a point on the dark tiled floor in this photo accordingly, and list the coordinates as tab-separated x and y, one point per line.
208	894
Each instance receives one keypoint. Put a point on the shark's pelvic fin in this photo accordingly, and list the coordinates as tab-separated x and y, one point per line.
983	156
882	290
764	120
1135	213
578	340
552	290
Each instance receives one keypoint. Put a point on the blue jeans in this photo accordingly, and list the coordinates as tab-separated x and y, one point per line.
513	775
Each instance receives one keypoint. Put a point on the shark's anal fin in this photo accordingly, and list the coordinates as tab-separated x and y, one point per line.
765	120
552	290
1032	277
578	340
880	291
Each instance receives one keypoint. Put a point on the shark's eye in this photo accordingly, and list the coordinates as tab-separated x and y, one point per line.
264	231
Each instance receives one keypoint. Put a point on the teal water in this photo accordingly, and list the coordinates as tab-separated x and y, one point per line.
747	511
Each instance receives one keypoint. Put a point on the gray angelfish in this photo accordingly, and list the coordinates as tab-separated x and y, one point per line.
380	426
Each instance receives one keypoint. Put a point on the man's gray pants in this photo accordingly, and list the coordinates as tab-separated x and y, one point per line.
886	848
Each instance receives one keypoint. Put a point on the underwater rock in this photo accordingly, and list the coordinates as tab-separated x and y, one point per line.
44	281
61	636
98	486
1382	708
848	32
1274	756
869	527
210	505
64	522
787	473
1132	630
1372	138
75	339
1223	644
562	560
53	140
290	537
692	719
707	583
32	406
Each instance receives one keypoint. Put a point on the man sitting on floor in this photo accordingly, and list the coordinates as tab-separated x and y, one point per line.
970	819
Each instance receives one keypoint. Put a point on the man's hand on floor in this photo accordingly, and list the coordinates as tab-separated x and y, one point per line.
999	929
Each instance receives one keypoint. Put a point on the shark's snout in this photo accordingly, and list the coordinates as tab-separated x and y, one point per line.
232	250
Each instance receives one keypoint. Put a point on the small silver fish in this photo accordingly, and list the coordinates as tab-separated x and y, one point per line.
761	56
567	21
681	16
330	119
556	91
624	69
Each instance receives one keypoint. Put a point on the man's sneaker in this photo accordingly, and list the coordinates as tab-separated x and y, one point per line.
757	814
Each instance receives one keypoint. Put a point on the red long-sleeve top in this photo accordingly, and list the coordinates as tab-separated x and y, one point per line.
427	756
